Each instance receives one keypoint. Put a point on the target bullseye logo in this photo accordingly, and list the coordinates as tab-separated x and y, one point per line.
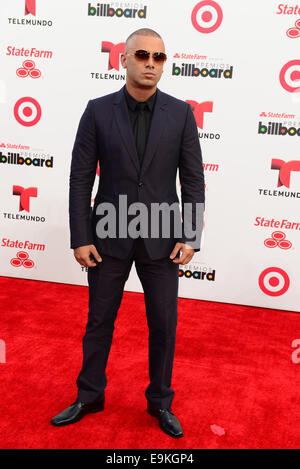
274	281
278	239
27	111
28	70
22	259
290	76
207	16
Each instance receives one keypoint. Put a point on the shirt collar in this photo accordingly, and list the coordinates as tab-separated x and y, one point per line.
132	103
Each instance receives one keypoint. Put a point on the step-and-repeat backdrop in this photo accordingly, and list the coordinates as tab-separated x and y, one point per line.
238	66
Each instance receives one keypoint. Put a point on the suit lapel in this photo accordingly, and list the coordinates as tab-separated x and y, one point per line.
156	128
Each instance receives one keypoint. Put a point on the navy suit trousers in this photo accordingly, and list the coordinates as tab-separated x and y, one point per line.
159	279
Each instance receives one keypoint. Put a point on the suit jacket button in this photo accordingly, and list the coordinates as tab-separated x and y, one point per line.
141	184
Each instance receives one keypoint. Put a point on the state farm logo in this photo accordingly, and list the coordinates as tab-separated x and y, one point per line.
28	69
15	146
294	32
22	260
114	51
289	76
33	52
273	223
199	109
211	167
30	7
27	111
284	9
17	244
278	239
207	16
24	195
285	168
186	55
279	115
274	281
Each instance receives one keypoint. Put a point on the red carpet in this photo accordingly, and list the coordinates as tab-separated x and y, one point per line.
232	369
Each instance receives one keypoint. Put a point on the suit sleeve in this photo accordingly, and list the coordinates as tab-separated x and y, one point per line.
191	178
82	177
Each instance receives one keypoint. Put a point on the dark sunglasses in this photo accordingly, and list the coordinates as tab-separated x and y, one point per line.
141	54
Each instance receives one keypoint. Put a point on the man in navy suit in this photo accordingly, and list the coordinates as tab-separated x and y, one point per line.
141	136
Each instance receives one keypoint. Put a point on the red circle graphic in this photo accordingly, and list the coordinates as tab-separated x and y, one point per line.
273	281
36	73
16	262
285	244
270	243
207	16
22	72
28	264
278	235
29	64
26	113
293	33
22	255
283	72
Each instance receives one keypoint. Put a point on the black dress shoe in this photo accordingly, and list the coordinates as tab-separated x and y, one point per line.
75	412
167	421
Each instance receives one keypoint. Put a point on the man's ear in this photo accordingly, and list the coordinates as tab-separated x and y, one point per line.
123	61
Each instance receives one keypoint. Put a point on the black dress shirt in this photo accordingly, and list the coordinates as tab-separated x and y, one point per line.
140	122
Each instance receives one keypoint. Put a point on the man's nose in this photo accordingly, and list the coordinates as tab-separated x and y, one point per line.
150	61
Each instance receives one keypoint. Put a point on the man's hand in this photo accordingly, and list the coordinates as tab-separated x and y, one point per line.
186	256
82	255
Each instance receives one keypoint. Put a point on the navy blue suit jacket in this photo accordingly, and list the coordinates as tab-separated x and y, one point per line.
105	135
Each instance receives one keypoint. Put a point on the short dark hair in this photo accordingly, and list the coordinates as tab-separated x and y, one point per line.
142	32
